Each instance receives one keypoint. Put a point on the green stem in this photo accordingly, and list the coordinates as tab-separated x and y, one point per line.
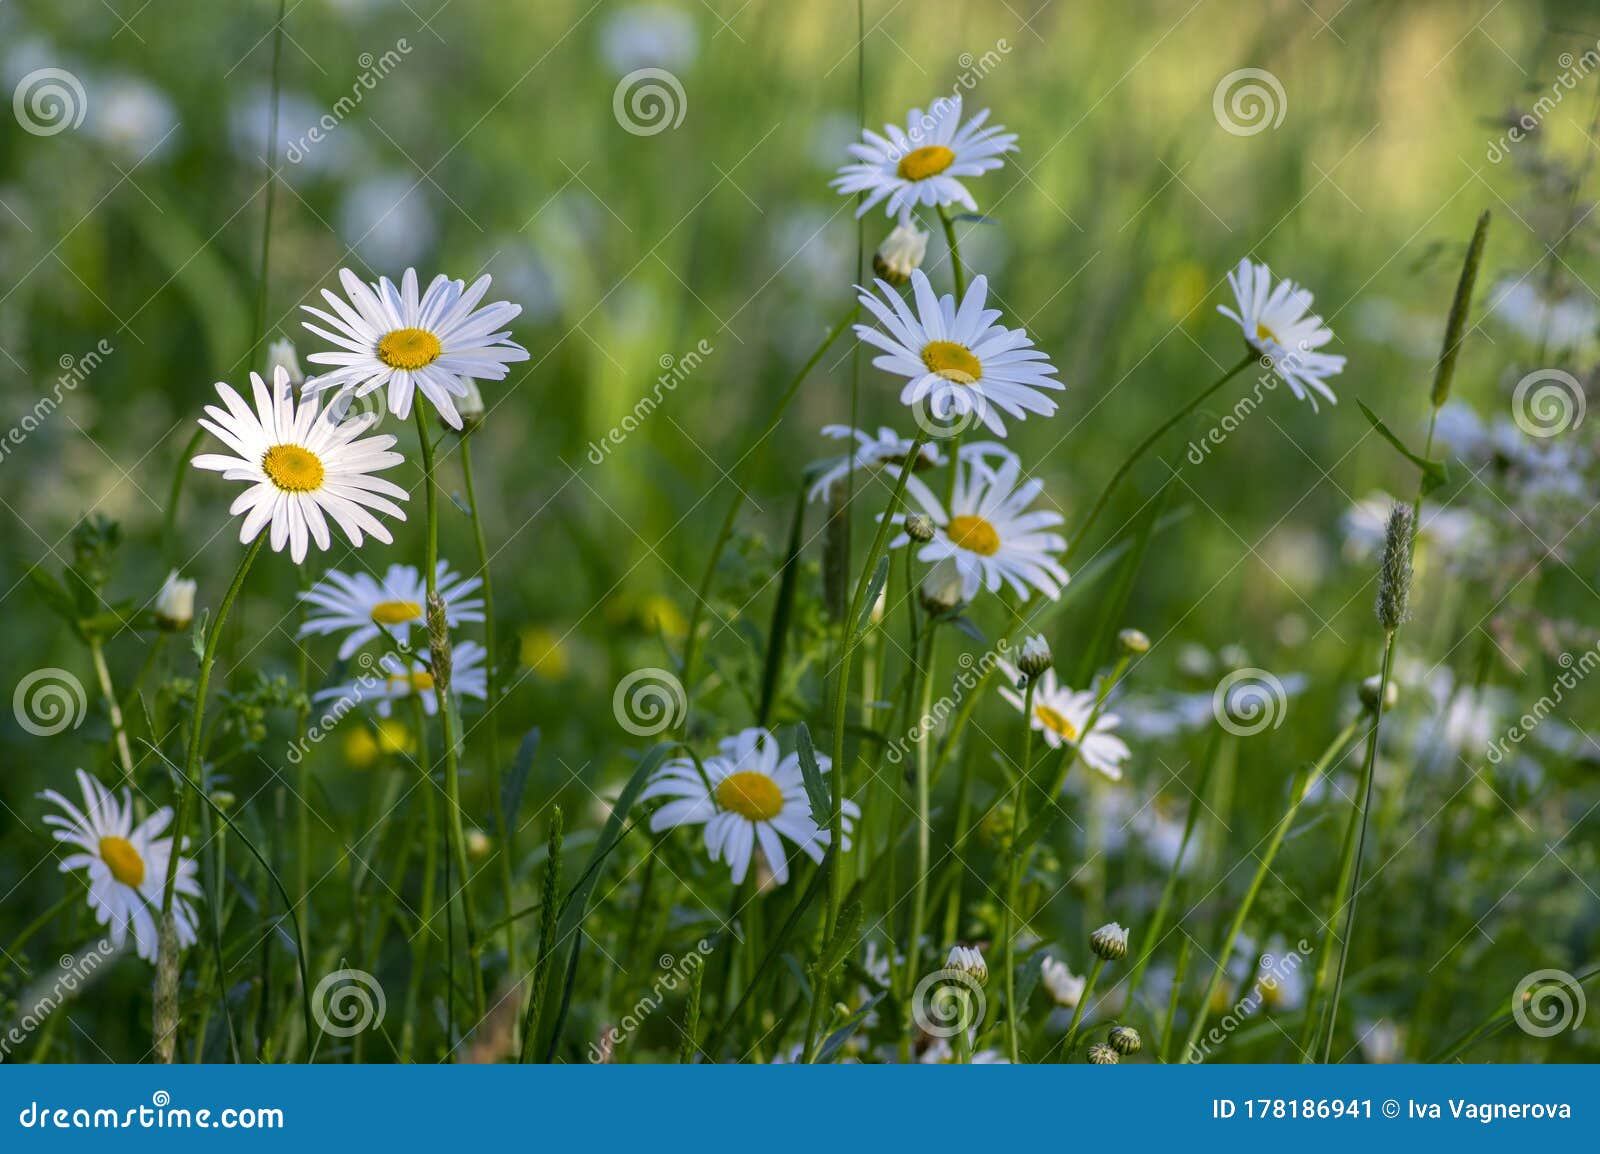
167	975
439	639
430	869
119	731
958	272
1014	871
919	884
1071	1036
1139	451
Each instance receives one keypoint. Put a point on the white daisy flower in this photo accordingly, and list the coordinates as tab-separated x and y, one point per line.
367	606
887	450
393	339
395	679
1278	323
302	468
1063	715
126	864
1065	987
956	358
988	533
747	795
920	164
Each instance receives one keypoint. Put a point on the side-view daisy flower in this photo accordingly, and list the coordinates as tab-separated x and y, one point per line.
1278	323
956	358
126	865
1062	715
393	339
366	606
746	795
887	450
989	533
921	163
395	679
303	468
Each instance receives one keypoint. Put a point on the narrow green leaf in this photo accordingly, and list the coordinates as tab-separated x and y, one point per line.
811	775
782	610
1434	473
516	782
874	587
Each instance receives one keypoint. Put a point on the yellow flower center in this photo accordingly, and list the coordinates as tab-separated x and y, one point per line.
755	795
1056	722
1263	333
126	864
408	348
395	612
951	361
929	160
421	681
293	469
974	534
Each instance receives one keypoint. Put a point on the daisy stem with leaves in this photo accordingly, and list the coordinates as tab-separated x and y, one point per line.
166	1012
430	869
439	640
924	803
1140	449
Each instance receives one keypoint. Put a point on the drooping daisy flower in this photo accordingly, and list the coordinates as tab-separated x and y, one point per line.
747	795
888	451
989	534
302	468
956	358
126	864
395	679
1063	986
1062	716
1278	323
393	339
920	164
366	606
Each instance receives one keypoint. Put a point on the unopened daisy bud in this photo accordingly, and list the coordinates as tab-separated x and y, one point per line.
940	591
1035	656
1125	1039
1133	642
1110	942
223	799
900	253
1394	581
968	960
477	843
1369	693
1103	1055
919	527
470	407
175	603
281	355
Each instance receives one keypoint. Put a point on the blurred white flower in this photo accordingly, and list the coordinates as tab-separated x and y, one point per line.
649	35
131	116
887	450
387	220
1559	325
1061	983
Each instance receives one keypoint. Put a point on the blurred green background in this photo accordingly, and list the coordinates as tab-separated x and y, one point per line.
491	143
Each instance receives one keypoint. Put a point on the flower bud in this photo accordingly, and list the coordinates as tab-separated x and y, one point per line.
1125	1039
1110	942
281	355
968	960
1133	642
901	252
940	591
1369	693
919	527
1103	1055
471	408
174	607
477	843
1035	657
